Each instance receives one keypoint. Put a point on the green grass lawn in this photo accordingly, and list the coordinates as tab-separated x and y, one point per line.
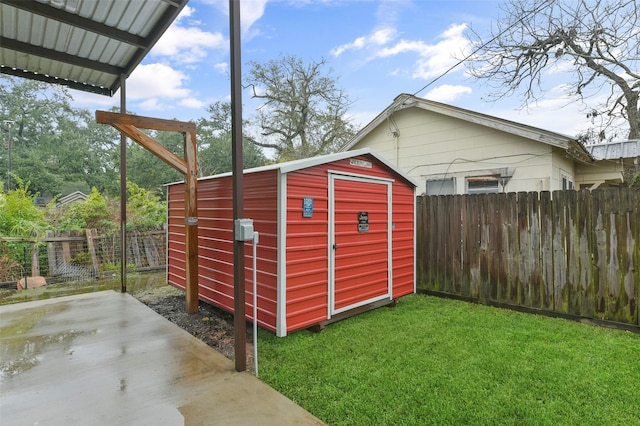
445	362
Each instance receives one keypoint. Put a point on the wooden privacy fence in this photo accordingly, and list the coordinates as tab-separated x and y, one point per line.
570	252
79	255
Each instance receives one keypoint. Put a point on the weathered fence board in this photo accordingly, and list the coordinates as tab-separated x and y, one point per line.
571	252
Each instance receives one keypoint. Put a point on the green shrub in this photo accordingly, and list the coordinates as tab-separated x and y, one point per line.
93	213
144	209
19	217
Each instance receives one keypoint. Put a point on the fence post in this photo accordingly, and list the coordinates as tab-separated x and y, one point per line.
35	260
51	254
92	235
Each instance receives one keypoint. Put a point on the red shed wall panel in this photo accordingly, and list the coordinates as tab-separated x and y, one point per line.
403	238
215	242
306	249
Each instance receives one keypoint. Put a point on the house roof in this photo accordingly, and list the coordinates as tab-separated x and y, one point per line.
71	198
85	45
615	150
573	147
291	166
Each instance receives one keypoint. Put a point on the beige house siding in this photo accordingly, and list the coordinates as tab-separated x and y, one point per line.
563	167
601	173
427	145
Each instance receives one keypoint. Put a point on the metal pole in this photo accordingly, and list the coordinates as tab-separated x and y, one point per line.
240	324
123	190
9	124
256	239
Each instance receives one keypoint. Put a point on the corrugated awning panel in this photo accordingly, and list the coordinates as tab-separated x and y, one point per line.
615	150
84	44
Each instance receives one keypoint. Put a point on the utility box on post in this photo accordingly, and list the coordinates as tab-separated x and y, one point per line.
243	230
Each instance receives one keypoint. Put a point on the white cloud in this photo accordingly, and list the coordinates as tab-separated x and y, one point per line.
151	104
433	59
362	118
94	101
187	44
192	103
448	93
222	67
376	39
156	81
556	111
250	11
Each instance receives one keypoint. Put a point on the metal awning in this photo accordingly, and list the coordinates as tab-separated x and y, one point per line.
94	45
83	44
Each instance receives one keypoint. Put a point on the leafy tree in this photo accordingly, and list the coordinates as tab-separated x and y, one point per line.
214	143
60	149
94	212
304	111
149	171
36	111
597	40
144	208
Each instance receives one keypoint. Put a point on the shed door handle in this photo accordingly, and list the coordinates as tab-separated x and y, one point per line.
335	247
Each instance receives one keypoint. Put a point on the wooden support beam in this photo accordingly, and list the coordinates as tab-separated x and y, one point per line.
188	166
129	127
191	224
151	123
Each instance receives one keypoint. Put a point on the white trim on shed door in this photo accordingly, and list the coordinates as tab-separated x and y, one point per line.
381	291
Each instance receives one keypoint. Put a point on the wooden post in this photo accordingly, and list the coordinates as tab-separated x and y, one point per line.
51	255
91	237
191	224
35	260
128	125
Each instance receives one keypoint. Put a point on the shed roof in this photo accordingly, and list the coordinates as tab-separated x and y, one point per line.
615	150
83	44
291	166
573	147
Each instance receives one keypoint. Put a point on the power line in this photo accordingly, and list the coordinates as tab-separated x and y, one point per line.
536	10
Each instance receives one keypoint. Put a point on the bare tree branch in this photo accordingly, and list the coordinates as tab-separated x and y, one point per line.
597	40
304	111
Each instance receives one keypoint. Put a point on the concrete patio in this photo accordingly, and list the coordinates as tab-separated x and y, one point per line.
106	359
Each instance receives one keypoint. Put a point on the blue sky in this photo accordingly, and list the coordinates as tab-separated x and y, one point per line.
377	49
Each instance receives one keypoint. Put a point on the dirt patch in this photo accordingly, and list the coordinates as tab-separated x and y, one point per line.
213	326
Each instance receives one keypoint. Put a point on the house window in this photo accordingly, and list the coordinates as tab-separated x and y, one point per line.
482	185
566	183
440	187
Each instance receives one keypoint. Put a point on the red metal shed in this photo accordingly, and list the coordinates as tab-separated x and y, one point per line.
337	235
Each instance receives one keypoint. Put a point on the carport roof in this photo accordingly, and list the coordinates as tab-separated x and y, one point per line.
83	44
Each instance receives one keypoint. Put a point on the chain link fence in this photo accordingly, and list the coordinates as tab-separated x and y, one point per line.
80	255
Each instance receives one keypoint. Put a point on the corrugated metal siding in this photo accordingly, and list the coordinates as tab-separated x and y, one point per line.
306	247
307	239
176	270
403	239
215	242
